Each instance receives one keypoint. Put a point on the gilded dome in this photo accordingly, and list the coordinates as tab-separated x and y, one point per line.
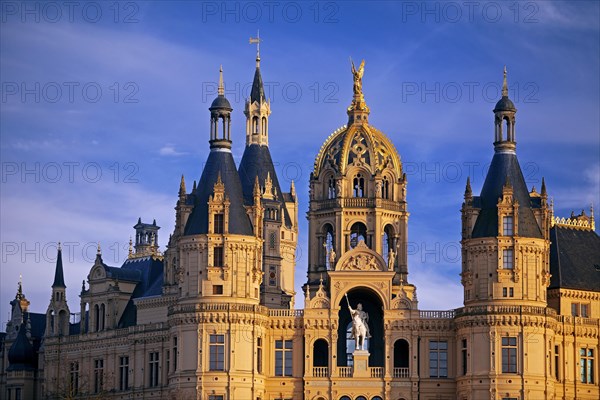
357	144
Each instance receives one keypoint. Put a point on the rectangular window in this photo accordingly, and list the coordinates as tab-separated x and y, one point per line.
507	259
9	394
153	369
215	397
259	355
509	398
124	373
18	394
98	375
218	223
507	226
168	361
74	378
504	292
586	363
509	355
283	358
511	292
216	353
175	355
464	356
438	359
585	310
217	289
575	309
218	256
556	363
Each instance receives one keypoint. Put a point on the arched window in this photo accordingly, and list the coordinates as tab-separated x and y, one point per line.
102	316
385	189
320	353
387	242
264	126
361	398
358	186
329	245
255	125
401	358
345	398
331	188
376	398
97	317
358	232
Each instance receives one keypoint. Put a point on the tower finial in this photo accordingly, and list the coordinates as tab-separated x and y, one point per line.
99	250
221	90
504	85
257	41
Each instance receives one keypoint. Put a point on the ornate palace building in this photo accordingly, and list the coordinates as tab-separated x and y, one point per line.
212	317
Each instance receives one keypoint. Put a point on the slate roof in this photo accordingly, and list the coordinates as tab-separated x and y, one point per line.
21	355
574	259
257	161
258	92
504	164
59	278
219	162
150	272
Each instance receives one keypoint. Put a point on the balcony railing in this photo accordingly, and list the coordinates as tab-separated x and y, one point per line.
345	372
401	373
376	372
284	312
436	314
355	202
321	372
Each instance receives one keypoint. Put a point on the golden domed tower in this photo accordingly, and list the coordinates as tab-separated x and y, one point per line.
357	193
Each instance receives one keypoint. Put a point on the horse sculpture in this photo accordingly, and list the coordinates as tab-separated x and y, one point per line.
360	329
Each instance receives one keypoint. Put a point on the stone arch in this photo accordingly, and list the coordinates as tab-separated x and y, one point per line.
372	303
401	353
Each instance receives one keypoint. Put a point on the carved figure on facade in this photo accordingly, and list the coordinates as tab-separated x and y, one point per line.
360	325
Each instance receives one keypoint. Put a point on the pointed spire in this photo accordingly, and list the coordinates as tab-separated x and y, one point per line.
293	189
544	193
221	90
59	279
504	85
182	185
468	191
256	192
130	248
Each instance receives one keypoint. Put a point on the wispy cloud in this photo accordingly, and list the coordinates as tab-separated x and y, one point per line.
169	150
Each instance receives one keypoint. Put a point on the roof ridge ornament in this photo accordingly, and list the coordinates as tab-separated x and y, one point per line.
504	85
221	89
256	40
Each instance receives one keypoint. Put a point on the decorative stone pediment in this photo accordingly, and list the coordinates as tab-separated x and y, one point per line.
320	300
361	258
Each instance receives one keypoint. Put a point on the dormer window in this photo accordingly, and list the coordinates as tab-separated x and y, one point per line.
218	223
507	226
359	186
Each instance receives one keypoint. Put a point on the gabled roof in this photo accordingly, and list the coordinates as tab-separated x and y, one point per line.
219	163
504	165
574	258
257	161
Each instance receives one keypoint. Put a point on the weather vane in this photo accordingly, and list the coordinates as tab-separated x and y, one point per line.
256	40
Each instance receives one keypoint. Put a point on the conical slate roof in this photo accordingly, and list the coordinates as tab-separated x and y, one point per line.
59	278
219	163
21	355
504	166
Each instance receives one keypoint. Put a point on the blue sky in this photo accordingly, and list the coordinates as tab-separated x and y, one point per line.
103	107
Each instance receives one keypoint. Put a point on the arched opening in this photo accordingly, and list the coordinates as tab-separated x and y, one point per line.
361	398
102	316
51	322
320	353
376	398
358	186
345	398
331	188
401	357
264	126
328	246
373	306
63	323
255	125
96	317
388	243
358	232
385	188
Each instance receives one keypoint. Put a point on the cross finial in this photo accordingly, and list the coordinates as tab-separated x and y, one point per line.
256	40
504	85
221	90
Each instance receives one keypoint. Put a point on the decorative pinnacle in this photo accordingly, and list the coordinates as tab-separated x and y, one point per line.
99	251
221	90
130	247
504	85
544	193
256	40
59	247
182	186
468	191
20	286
